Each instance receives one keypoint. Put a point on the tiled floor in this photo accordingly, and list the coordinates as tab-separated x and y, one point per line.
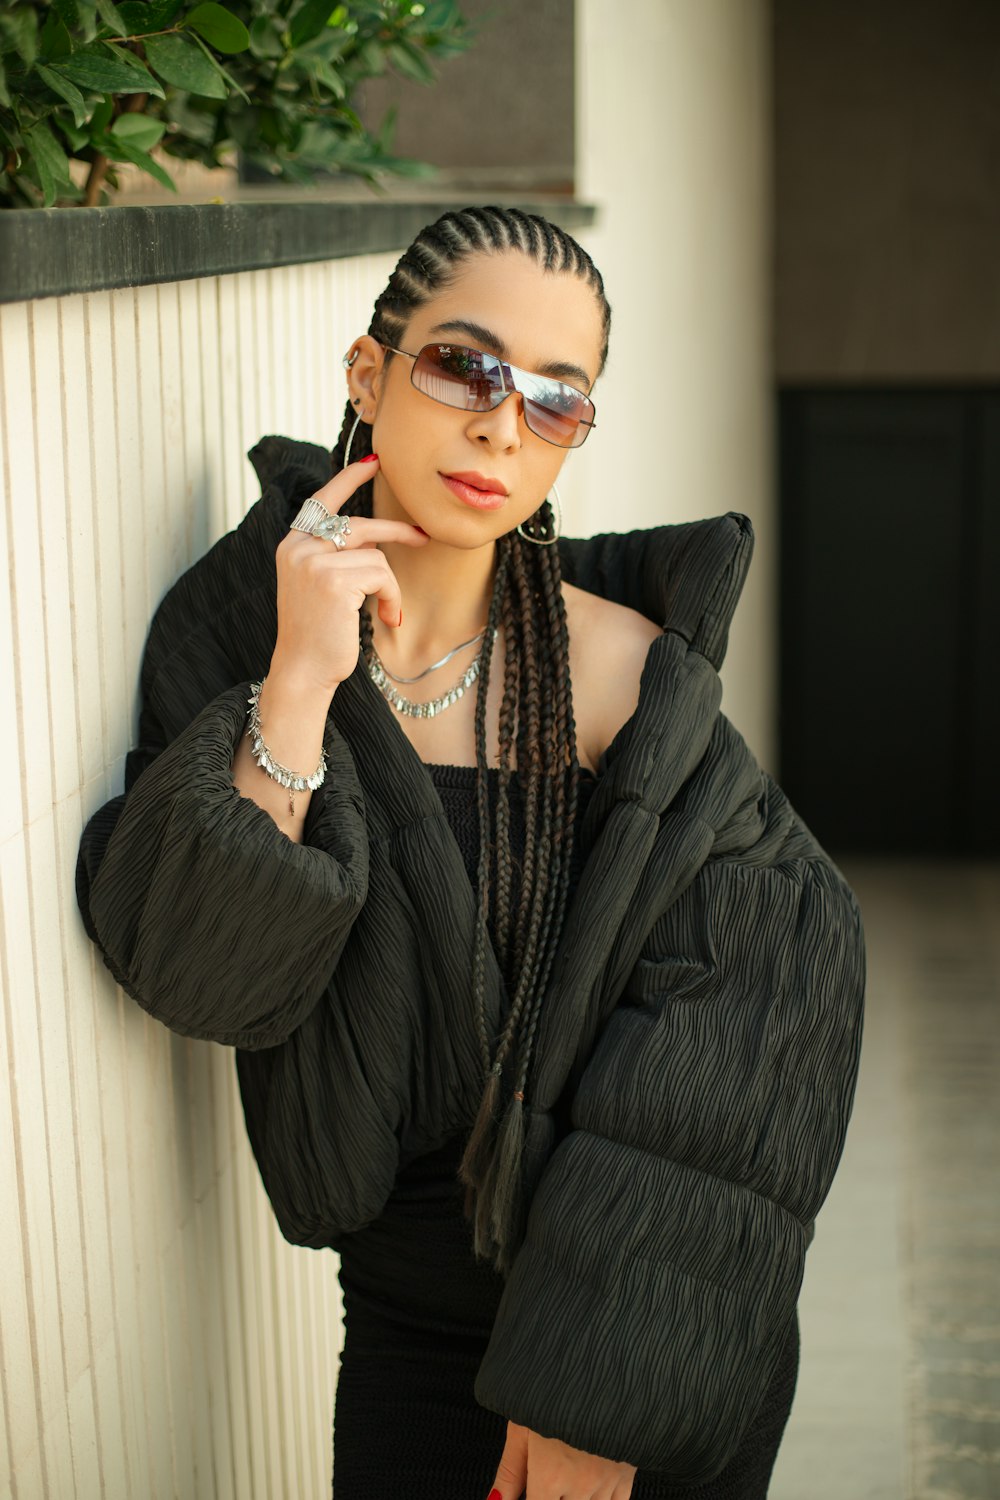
899	1384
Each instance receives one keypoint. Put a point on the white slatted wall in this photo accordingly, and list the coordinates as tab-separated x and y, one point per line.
158	1337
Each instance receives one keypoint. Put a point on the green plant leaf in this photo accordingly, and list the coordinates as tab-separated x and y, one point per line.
19	30
124	55
180	61
101	117
97	68
143	16
220	28
196	126
111	16
138	130
264	40
408	61
10	142
67	91
441	15
329	78
54	40
309	20
327	44
405	166
228	77
346	115
371	58
287	102
118	150
50	161
46	148
46	181
67	12
385	132
4	95
76	138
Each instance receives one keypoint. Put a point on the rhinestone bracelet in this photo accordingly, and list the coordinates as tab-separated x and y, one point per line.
290	780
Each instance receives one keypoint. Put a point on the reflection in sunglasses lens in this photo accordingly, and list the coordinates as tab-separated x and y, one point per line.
473	381
554	426
457	376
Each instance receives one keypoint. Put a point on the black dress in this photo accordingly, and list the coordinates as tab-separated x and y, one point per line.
419	1309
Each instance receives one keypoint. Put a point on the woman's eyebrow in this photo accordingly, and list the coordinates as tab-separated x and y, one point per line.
560	369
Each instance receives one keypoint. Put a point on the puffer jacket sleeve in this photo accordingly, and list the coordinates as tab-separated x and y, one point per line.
205	912
644	1314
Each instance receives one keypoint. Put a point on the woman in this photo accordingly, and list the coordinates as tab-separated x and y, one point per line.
546	1004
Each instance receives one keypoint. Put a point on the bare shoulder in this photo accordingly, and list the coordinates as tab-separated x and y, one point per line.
609	644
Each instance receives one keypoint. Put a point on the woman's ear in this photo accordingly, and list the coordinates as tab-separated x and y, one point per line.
364	360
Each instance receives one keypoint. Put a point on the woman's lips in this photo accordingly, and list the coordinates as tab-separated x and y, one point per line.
481	499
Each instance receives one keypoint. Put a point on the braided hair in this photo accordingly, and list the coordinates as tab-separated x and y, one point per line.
527	600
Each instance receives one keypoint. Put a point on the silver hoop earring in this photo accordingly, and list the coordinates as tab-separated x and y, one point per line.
548	540
350	440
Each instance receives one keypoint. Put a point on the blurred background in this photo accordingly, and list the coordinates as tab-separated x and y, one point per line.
795	208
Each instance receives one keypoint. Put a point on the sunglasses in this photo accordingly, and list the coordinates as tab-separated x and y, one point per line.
474	381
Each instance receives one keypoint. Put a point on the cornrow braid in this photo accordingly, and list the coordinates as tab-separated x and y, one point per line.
527	603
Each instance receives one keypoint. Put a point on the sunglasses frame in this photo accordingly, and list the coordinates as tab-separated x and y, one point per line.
507	372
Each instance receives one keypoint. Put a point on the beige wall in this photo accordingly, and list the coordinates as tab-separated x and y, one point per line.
158	1337
887	147
673	145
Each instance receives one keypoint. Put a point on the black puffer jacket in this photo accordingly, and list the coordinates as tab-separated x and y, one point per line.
705	1010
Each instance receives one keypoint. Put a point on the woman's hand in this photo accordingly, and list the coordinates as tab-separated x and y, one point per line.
544	1468
321	588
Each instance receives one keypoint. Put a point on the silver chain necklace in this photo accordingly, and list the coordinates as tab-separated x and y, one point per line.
380	677
434	665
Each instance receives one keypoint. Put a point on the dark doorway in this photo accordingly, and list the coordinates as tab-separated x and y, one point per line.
889	720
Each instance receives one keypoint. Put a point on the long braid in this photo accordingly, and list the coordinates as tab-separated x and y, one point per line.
536	723
507	1206
504	855
530	748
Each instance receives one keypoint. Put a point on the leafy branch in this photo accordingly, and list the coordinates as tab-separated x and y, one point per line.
103	83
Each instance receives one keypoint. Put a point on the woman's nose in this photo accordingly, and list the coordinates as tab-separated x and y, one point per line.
501	425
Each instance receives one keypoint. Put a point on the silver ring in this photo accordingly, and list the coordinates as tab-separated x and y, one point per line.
314	518
335	530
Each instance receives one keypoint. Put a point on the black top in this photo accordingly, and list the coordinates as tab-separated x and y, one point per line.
384	1267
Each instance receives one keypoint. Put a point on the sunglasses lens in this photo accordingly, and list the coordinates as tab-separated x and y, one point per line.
559	413
458	377
473	381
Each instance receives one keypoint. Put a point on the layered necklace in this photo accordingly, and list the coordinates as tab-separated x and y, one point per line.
380	674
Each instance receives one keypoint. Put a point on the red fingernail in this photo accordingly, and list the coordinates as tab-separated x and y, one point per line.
369	458
494	1495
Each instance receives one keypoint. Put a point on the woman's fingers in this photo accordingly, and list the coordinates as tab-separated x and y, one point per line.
366	531
322	586
342	486
512	1471
319	593
351	576
544	1468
